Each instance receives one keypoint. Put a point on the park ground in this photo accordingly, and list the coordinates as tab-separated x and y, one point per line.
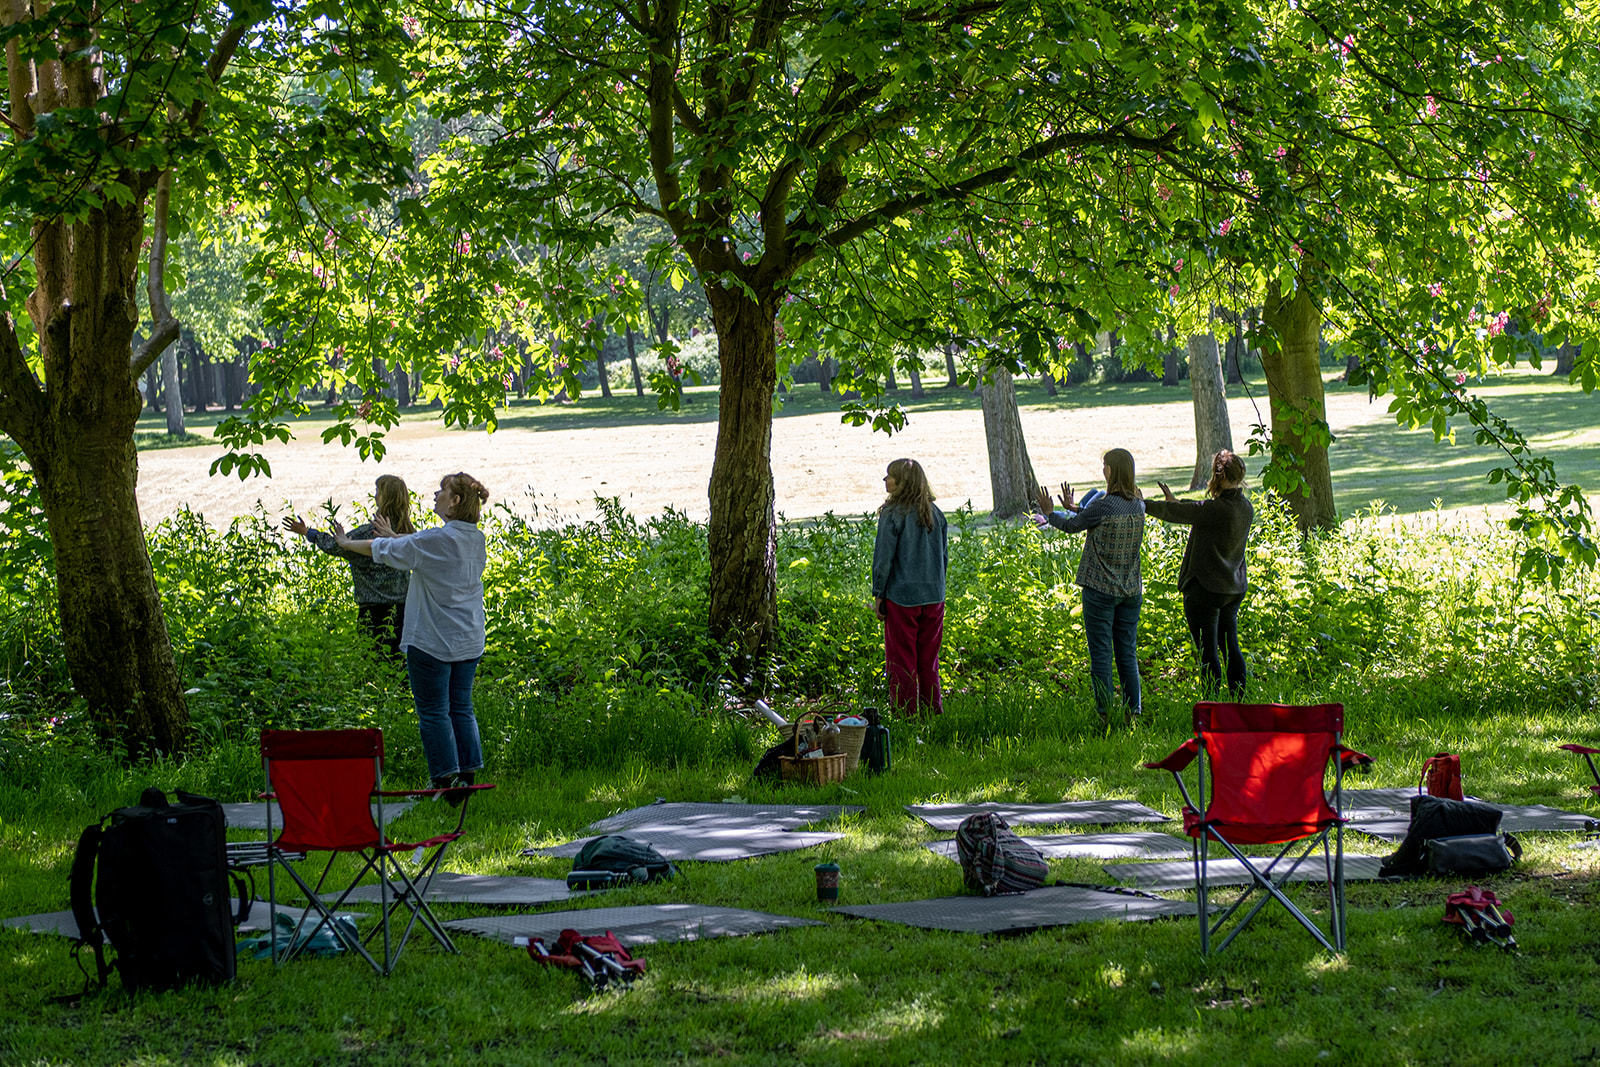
550	462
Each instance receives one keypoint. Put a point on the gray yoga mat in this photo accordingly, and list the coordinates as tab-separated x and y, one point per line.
1014	913
1091	812
1229	871
62	922
707	844
253	815
671	816
1090	846
1515	818
451	888
641	925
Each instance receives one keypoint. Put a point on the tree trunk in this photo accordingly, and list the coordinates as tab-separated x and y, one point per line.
1010	473
1086	359
605	378
741	532
916	378
633	361
1299	414
171	392
889	384
1235	372
950	364
824	373
199	381
1169	368
152	388
1566	359
1212	431
402	387
117	649
76	430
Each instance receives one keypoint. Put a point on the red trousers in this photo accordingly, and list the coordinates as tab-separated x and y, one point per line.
911	638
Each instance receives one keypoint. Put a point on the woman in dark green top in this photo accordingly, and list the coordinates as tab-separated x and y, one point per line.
1212	578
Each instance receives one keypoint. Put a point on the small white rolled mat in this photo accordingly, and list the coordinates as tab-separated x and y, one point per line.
450	888
1092	812
1090	846
1013	913
1229	871
642	925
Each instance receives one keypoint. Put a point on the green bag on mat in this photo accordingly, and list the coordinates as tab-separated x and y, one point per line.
316	938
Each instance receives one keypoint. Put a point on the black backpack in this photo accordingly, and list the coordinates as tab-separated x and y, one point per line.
624	856
153	879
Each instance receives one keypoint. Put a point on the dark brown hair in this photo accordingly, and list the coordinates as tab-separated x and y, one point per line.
1227	472
911	491
1119	474
469	493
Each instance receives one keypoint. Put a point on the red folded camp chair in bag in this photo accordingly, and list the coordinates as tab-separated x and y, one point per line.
1260	780
600	958
327	784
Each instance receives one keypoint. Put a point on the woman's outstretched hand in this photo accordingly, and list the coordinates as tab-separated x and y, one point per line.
1066	497
338	533
1165	491
1041	497
381	527
295	525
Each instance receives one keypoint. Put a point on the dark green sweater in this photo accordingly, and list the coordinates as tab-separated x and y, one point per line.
1214	557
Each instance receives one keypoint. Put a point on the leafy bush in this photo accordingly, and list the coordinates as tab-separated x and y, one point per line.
599	652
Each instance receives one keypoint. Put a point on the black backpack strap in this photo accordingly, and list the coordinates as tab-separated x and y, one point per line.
81	882
246	889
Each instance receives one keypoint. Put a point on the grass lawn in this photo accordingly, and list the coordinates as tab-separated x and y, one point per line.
1409	990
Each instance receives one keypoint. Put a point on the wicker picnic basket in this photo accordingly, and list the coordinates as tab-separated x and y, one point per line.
816	771
846	741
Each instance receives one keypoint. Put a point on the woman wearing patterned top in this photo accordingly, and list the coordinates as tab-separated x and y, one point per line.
1109	574
380	592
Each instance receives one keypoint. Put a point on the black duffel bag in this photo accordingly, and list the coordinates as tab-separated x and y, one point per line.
1434	818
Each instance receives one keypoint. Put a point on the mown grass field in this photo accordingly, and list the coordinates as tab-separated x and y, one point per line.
601	692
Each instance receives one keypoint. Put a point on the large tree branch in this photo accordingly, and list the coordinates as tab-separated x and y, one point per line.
22	402
227	45
20	75
661	88
163	326
890	210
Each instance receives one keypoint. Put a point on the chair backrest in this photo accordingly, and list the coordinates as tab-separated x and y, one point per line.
324	781
1266	764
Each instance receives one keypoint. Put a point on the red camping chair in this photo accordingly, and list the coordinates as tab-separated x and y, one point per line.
1261	777
327	784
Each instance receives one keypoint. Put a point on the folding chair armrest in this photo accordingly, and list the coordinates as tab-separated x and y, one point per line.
1351	760
1180	758
1582	750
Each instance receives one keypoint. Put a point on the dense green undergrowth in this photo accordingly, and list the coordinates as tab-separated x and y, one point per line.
601	691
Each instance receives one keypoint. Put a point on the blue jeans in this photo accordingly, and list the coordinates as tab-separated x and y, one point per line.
443	695
1111	624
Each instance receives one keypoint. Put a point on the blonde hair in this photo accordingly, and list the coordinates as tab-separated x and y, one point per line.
1227	472
911	491
394	503
469	493
1119	474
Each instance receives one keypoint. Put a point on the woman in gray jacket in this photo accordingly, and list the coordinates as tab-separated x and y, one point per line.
909	560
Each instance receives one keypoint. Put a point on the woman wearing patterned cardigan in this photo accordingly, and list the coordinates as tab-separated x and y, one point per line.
380	592
1113	589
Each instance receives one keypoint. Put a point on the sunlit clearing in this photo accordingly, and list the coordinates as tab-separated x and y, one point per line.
1325	964
1113	976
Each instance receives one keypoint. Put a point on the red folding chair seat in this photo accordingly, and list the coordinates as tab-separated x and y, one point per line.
1261	781
328	785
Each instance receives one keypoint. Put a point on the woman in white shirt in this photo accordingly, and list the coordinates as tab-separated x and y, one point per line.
444	627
